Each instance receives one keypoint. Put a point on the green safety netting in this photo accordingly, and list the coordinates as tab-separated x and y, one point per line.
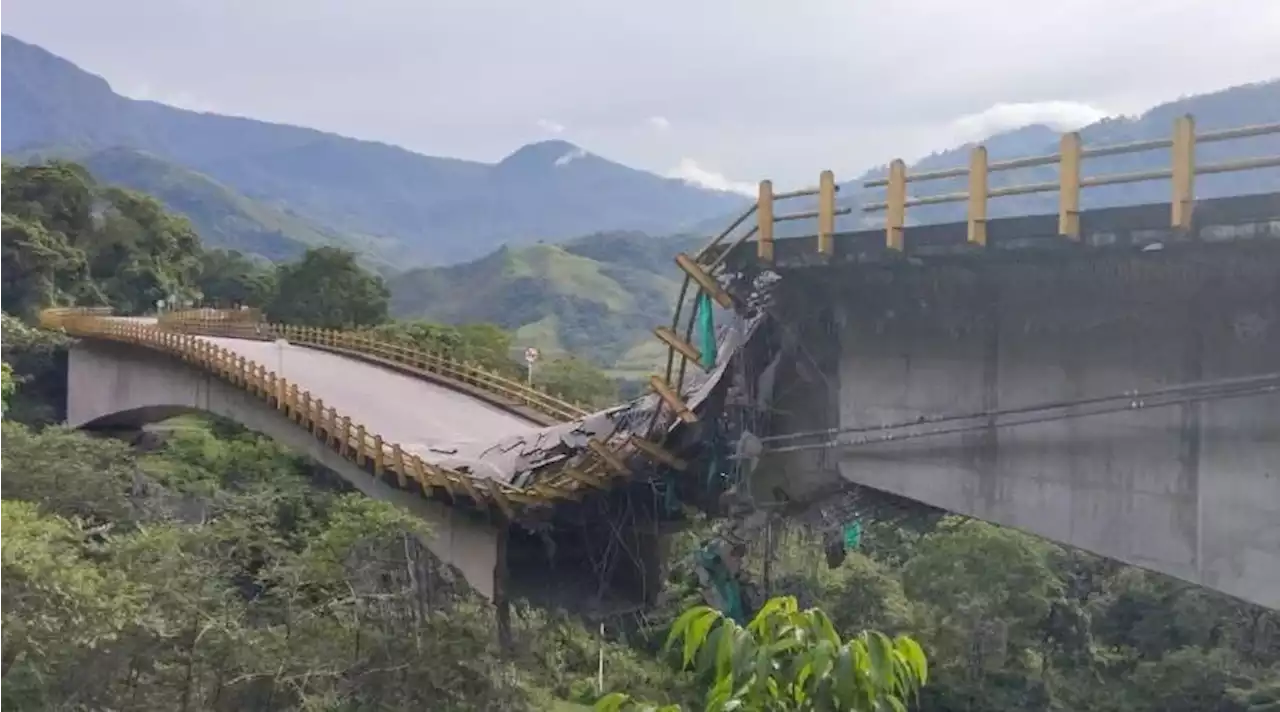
706	330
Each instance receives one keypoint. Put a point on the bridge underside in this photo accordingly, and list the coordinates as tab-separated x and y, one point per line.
609	555
1191	490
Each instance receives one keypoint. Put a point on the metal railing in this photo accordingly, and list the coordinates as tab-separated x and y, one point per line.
452	372
1182	172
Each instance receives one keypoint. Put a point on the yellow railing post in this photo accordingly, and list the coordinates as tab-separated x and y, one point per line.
895	214
379	459
764	222
397	462
1069	185
346	436
1184	171
362	448
418	474
826	213
318	427
977	212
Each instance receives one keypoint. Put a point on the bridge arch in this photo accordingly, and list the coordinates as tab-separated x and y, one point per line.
114	385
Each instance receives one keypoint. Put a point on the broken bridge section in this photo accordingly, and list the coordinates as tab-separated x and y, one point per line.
518	507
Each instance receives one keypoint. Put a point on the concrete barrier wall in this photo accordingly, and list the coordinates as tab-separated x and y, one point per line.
115	385
1191	490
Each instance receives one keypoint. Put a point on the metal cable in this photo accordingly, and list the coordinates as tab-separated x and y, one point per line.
1130	395
1134	404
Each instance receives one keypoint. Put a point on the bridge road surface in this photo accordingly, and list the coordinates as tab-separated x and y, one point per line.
403	409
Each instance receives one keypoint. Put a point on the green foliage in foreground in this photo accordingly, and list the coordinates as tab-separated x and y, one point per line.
789	659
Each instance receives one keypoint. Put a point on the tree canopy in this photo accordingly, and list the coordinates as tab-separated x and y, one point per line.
328	288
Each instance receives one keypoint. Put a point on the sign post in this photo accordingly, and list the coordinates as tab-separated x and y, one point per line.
530	357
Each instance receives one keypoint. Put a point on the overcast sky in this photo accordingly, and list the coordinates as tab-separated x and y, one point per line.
723	91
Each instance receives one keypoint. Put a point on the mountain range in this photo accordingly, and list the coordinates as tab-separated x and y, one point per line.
404	206
594	296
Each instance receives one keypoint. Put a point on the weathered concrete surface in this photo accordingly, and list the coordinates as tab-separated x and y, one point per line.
1192	491
113	385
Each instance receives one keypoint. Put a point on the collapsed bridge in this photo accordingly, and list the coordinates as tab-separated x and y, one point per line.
1103	378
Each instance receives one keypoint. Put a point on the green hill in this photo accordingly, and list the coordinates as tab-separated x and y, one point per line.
223	217
597	297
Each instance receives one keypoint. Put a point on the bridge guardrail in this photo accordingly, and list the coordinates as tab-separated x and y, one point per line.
353	441
1182	173
492	386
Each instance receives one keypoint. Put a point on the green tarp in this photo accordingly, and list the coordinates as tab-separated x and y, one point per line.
706	330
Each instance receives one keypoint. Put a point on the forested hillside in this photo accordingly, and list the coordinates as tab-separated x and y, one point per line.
597	297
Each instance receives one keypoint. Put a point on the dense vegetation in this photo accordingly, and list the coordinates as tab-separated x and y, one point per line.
597	297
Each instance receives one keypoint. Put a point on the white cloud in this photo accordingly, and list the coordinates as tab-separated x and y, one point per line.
571	156
1059	115
659	122
690	172
550	126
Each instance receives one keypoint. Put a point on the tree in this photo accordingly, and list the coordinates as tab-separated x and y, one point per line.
38	359
143	253
789	659
41	268
55	601
69	240
327	288
441	339
576	380
7	386
229	279
488	344
59	195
